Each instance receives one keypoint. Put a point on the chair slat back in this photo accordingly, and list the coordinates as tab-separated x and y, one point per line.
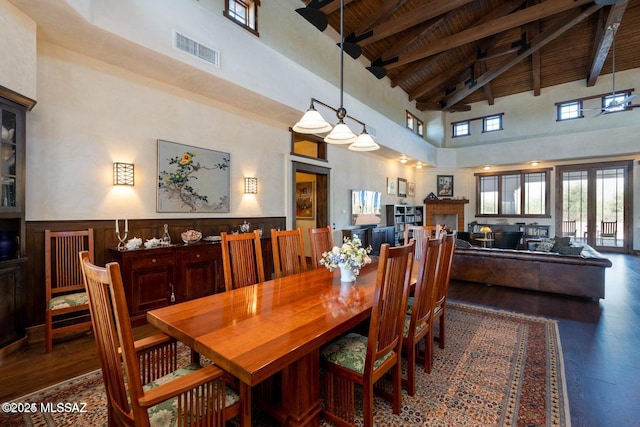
569	228
112	330
444	266
608	228
389	303
321	240
242	259
288	252
63	272
419	234
427	282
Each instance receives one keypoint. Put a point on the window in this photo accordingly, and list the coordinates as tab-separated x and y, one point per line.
615	102
420	127
461	128
515	194
570	110
243	13
492	123
410	120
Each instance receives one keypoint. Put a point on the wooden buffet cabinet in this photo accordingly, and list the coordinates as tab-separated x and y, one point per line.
161	276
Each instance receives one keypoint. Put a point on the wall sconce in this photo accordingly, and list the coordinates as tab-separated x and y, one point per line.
250	185
123	174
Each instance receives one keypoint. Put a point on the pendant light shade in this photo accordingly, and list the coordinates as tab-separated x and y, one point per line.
312	122
341	134
364	142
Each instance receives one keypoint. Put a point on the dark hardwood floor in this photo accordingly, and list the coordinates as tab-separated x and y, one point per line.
600	341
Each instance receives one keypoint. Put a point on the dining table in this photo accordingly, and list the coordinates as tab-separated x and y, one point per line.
274	328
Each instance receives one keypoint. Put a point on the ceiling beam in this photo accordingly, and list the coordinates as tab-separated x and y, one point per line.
605	41
516	19
502	10
554	31
417	16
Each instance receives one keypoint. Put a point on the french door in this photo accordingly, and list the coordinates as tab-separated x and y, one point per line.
593	204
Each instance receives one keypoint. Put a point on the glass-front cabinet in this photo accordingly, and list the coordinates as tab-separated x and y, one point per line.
13	108
8	158
12	148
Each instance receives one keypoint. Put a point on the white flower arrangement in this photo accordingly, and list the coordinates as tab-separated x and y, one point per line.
350	255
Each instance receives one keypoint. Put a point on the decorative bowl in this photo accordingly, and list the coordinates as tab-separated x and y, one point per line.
191	236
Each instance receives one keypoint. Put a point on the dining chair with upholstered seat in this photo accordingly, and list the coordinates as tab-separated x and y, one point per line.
358	359
321	240
418	324
241	259
288	252
444	274
144	385
67	308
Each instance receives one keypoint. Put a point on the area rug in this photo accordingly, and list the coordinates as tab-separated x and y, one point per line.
498	369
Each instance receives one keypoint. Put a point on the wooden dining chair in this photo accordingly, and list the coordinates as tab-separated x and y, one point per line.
241	259
67	308
418	233
143	384
321	240
357	359
432	231
609	230
418	323
444	274
288	252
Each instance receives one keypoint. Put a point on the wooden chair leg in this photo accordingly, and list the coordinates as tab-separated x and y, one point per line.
442	327
411	369
48	338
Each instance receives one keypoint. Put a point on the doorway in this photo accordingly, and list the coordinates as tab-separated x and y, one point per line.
310	189
594	204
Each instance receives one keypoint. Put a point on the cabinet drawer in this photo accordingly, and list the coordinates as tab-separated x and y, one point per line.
152	261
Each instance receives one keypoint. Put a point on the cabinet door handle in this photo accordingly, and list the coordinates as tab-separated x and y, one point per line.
197	255
154	260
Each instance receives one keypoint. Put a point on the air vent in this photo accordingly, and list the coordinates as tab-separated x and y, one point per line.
192	47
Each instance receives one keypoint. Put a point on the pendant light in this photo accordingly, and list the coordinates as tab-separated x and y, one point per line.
364	142
341	134
312	122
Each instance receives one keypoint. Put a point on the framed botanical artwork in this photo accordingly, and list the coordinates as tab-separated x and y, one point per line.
445	185
391	186
305	200
192	179
402	187
411	188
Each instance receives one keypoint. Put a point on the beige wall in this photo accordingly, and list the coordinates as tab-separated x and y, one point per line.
17	51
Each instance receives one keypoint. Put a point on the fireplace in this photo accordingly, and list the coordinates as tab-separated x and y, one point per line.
445	212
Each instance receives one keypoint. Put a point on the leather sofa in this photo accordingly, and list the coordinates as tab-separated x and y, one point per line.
576	275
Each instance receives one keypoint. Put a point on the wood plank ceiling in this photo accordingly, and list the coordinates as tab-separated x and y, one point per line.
447	54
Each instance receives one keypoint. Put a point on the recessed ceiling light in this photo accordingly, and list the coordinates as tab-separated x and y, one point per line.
403	160
535	163
487	167
419	165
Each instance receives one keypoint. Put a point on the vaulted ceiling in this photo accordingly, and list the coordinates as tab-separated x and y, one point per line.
447	54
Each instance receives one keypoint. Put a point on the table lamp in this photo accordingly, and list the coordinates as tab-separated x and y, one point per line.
485	229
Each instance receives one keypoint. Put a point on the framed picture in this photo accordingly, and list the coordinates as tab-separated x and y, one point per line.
445	185
192	179
305	200
402	187
391	186
411	188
